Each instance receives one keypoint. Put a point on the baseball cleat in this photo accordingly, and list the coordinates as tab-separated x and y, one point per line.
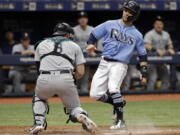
119	124
36	129
87	123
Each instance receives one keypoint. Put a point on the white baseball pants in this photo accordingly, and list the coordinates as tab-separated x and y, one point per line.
109	76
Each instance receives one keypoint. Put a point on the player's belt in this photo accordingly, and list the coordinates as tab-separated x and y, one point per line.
60	72
111	60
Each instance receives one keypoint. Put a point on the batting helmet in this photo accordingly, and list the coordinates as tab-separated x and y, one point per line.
62	29
134	7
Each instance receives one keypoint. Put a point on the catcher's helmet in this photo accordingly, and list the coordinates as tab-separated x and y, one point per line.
62	29
134	7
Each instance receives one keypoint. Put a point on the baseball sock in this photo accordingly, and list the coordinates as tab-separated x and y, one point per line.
118	105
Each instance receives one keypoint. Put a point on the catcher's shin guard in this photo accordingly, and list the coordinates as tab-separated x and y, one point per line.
40	108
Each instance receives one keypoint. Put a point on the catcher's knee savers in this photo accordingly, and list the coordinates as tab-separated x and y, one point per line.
39	115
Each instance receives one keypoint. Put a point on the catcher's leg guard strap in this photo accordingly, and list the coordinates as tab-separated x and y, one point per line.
40	108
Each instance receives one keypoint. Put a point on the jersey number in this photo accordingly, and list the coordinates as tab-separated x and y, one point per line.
58	48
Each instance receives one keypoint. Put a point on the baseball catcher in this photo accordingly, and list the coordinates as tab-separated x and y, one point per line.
59	60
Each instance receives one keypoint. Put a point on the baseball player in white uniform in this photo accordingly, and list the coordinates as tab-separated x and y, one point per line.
59	60
121	38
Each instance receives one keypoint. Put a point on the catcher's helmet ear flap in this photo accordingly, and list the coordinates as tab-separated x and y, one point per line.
134	7
62	29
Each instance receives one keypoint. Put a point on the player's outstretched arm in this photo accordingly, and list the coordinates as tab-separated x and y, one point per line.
91	48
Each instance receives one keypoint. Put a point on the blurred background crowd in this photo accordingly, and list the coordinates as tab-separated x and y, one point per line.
21	30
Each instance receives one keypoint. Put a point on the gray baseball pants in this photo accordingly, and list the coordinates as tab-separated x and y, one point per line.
58	84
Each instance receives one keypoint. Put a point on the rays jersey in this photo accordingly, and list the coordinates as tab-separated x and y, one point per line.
119	40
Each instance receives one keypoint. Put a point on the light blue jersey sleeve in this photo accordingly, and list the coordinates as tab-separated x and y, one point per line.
140	46
100	30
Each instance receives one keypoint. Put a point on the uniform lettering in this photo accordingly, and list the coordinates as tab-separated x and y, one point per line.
122	37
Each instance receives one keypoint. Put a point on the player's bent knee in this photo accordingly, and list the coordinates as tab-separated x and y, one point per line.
94	96
111	91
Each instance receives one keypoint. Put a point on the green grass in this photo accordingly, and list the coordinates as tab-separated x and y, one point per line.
156	113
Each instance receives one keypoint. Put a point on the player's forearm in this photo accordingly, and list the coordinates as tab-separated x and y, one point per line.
143	58
170	46
92	40
143	69
143	65
80	69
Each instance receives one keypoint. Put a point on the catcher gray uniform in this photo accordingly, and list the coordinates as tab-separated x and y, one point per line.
57	82
58	56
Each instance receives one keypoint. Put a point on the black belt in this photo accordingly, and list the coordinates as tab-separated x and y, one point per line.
111	60
61	72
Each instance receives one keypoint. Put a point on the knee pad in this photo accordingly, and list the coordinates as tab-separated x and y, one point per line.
41	102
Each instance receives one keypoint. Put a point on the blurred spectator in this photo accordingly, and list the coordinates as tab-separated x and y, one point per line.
82	30
1	78
19	73
8	43
158	41
130	74
81	35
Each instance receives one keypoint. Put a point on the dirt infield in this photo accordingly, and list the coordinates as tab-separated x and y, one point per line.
76	130
149	97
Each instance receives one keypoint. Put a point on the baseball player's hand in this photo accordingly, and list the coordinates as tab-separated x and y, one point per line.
160	53
171	51
91	50
27	53
143	80
148	47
